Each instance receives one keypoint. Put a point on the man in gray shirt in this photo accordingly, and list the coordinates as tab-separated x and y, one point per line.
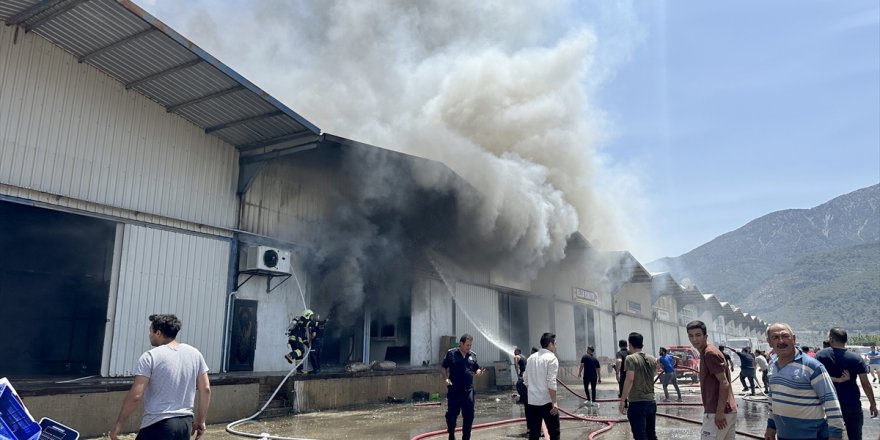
166	378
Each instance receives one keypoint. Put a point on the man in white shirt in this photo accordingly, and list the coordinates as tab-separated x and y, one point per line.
540	378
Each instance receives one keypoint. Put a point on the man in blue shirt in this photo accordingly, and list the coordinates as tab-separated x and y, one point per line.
844	366
803	403
458	370
668	375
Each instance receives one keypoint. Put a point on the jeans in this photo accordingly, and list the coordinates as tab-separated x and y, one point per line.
535	415
666	379
590	388
460	401
642	419
175	428
747	373
522	391
853	418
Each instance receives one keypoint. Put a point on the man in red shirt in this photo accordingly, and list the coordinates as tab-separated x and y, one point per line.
719	404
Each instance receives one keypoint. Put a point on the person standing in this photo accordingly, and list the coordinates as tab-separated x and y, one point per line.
874	362
540	378
592	374
458	370
719	404
803	403
668	375
166	378
619	367
317	343
763	366
638	388
519	362
746	368
727	358
844	366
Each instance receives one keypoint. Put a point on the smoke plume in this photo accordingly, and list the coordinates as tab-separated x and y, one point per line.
502	92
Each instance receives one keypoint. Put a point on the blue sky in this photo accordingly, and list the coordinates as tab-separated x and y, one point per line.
738	109
712	114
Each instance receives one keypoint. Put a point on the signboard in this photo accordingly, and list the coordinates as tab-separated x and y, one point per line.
663	315
584	296
687	314
633	307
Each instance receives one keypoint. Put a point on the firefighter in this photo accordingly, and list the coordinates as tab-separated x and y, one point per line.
298	337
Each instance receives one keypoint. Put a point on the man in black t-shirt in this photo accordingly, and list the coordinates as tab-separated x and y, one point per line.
590	368
844	367
458	370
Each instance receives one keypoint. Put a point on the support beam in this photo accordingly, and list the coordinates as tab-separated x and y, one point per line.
56	13
224	125
288	140
247	172
31	11
174	108
165	72
115	45
274	154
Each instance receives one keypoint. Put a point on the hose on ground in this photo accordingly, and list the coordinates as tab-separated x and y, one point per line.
264	436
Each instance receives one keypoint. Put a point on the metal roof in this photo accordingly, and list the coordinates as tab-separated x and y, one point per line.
122	40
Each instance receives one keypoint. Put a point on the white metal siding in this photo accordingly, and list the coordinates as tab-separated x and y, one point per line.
606	345
482	306
167	272
567	348
275	310
666	334
66	129
431	320
289	201
539	320
629	324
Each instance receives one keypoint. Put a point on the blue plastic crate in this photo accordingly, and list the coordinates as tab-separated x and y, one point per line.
16	422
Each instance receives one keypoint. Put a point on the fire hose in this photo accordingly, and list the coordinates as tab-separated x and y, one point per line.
669	416
264	436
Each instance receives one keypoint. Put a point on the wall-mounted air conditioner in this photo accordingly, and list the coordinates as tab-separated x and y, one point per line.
264	260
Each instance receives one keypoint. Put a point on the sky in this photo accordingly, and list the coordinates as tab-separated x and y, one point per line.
652	127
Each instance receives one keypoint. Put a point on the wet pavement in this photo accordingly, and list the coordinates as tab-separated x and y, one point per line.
406	420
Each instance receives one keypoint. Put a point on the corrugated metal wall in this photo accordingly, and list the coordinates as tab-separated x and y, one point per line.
67	129
290	199
481	305
666	334
567	346
627	324
432	308
167	272
275	310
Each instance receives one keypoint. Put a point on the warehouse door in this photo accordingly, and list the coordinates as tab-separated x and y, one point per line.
54	283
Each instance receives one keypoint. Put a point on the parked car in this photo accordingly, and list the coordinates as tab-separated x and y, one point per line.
688	362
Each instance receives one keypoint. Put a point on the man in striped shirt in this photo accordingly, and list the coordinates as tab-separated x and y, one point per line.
803	403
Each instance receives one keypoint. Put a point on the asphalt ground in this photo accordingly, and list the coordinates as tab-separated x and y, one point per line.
407	420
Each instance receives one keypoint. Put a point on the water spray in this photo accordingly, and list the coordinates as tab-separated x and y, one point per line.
450	282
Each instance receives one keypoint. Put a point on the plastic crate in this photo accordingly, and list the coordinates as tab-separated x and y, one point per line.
16	422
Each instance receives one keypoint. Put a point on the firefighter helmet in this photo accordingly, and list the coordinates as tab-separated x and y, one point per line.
307	313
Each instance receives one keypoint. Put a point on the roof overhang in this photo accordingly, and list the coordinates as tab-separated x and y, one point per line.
131	46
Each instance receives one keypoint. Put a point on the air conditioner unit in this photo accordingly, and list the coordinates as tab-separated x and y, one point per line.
264	260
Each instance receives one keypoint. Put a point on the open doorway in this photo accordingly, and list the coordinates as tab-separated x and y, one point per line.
55	272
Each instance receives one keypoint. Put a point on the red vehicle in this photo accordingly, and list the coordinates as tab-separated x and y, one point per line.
688	362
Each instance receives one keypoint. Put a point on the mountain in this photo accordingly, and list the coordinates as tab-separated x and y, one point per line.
794	256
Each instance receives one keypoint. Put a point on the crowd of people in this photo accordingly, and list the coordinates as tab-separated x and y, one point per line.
811	395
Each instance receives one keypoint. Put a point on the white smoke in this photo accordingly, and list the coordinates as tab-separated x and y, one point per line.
500	91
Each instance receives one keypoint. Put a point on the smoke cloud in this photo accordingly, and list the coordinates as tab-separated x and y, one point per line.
502	92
